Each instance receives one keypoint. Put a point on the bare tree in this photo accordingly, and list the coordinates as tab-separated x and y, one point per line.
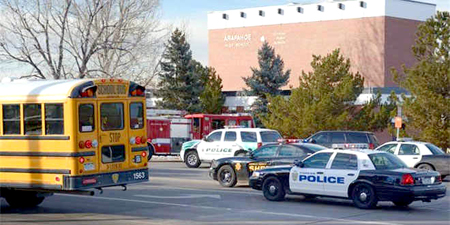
83	38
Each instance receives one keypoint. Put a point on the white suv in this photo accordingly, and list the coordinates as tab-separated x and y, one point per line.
226	143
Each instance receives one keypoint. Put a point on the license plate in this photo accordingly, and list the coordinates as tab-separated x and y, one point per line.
89	166
139	175
427	180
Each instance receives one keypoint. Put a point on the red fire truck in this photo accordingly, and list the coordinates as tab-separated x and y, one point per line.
166	134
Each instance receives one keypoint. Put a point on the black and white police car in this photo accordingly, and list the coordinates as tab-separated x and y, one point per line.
365	176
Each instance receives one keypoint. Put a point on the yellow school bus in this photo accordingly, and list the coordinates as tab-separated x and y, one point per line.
70	136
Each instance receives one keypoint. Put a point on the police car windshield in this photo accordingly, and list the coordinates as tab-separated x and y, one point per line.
386	161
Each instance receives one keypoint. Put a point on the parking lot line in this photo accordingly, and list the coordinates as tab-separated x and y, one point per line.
221	209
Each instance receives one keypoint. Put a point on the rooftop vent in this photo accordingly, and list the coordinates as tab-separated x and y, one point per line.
320	8
243	15
299	9
341	6
363	4
225	16
261	13
280	11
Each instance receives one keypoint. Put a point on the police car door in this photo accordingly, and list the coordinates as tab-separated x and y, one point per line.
409	154
343	171
208	149
309	178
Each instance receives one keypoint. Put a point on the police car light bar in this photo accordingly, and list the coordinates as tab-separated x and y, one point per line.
234	126
291	140
404	139
350	146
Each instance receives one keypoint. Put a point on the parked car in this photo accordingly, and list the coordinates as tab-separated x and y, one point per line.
228	171
365	176
226	142
422	155
342	138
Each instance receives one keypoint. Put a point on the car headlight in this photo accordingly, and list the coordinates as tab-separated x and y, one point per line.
214	164
256	174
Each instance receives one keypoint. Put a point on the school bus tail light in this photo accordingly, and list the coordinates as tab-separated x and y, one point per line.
132	141
138	140
81	144
143	139
144	154
88	144
81	160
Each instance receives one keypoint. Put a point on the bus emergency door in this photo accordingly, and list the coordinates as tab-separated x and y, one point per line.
113	139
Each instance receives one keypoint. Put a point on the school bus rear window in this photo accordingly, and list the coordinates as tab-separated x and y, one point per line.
11	119
111	115
32	119
111	154
86	122
54	119
136	115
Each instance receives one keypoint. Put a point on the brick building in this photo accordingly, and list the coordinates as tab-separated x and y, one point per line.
375	34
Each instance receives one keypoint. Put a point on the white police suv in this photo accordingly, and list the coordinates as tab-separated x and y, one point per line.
226	142
365	176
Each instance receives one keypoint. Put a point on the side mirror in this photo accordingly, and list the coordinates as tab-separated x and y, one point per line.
250	154
299	163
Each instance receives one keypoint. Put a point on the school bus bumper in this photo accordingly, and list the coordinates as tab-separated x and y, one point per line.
105	179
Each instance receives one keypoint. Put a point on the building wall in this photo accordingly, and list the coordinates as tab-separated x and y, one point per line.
375	37
400	36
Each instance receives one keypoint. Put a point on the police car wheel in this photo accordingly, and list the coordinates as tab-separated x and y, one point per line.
364	196
403	203
273	189
226	176
192	160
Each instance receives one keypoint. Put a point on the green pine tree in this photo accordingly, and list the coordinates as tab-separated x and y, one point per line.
180	83
212	98
267	79
428	81
323	101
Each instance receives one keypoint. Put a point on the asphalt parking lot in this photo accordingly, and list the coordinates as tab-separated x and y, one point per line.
178	195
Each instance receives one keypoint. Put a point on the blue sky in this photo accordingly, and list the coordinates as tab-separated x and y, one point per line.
192	15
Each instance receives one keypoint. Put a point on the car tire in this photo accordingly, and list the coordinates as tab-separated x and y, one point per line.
364	197
192	160
273	189
425	166
226	176
403	203
151	152
24	199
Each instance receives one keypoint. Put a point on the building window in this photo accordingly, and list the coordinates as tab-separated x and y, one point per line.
320	8
225	16
281	11
299	9
243	15
363	4
261	13
341	6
